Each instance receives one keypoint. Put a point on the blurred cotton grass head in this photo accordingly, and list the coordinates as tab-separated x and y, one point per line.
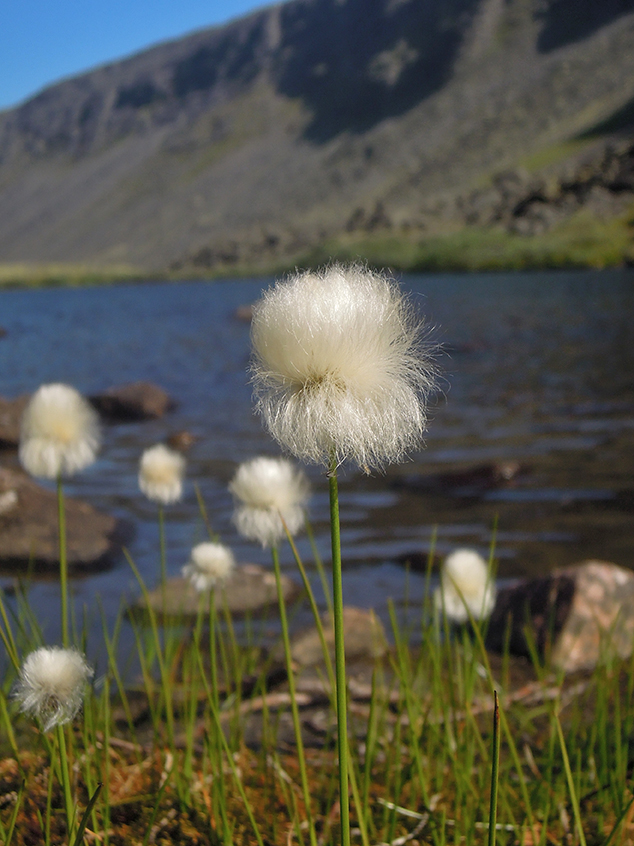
341	368
51	685
60	432
210	564
161	472
269	493
466	587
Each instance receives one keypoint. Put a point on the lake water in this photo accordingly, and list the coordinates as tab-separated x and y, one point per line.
538	373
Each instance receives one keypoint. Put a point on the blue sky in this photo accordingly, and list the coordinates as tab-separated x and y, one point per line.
42	41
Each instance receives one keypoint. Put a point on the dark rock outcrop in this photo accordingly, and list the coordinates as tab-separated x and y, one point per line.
602	183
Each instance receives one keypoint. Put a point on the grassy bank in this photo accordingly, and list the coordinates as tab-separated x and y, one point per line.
67	274
172	757
582	241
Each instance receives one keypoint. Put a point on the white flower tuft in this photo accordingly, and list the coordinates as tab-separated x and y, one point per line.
210	564
269	492
465	584
59	432
161	472
340	366
51	685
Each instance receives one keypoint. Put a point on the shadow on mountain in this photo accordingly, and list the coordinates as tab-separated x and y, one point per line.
622	120
358	62
231	56
566	21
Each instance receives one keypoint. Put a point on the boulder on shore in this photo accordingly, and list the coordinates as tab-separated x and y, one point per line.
133	401
249	589
577	616
29	529
364	637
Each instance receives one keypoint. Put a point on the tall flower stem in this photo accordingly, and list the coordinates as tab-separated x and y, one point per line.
65	777
163	562
291	687
340	656
63	560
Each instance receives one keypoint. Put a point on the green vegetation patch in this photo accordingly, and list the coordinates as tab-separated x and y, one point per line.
38	275
582	241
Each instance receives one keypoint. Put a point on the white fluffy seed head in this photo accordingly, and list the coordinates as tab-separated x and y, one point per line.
59	432
340	367
269	492
465	584
161	472
51	685
210	564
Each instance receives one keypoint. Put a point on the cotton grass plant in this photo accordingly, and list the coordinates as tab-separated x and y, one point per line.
341	372
59	436
466	587
50	687
425	766
270	496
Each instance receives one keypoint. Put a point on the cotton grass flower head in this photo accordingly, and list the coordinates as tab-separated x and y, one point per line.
269	492
59	432
161	472
340	367
465	584
210	564
51	685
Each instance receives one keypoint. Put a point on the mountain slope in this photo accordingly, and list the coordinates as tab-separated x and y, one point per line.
262	139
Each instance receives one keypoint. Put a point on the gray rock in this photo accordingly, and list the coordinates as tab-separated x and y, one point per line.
29	529
250	588
579	616
363	632
134	401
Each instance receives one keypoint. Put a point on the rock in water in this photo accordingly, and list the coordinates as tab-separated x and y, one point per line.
250	588
10	418
134	401
29	529
577	617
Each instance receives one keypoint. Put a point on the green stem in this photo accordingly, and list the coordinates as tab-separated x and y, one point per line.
163	562
569	778
64	767
340	656
291	688
228	754
495	766
63	560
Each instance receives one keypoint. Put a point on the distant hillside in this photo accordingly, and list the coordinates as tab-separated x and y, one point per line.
319	126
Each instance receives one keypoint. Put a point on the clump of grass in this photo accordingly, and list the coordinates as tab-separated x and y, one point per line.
66	274
424	760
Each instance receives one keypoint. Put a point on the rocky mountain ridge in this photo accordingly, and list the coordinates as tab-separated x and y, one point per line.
256	141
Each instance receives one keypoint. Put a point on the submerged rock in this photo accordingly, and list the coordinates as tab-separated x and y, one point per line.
250	588
29	529
134	401
578	616
468	482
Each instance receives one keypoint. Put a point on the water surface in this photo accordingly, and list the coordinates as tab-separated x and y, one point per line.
538	376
